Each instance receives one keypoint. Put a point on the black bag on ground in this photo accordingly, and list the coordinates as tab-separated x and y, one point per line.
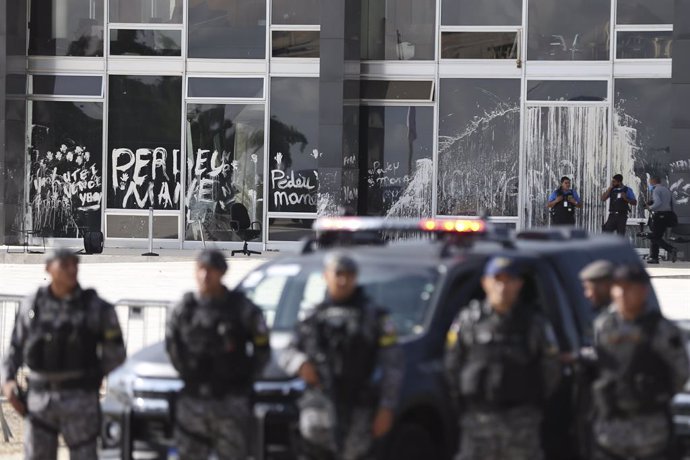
93	242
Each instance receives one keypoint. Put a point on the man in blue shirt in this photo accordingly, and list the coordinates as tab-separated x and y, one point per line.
621	198
562	203
661	206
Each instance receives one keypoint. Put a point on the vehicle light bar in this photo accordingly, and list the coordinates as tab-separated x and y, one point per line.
357	224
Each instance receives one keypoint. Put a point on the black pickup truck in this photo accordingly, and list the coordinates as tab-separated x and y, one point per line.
424	282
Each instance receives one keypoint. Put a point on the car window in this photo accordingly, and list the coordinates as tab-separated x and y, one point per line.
405	291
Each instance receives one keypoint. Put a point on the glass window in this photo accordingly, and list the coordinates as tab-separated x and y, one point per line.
15	84
224	167
289	229
66	167
398	29
291	43
479	144
644	45
397	145
481	13
303	12
164	227
577	30
289	295
293	154
141	42
644	12
225	87
66	28
146	11
227	29
479	45
560	90
144	142
396	89
642	137
67	85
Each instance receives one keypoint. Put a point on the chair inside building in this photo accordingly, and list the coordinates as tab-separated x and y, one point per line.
244	228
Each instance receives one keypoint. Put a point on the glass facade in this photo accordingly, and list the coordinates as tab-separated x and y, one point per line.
198	108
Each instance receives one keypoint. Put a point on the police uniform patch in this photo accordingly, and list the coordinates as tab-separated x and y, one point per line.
389	335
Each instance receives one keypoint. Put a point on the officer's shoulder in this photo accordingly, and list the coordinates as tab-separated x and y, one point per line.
472	312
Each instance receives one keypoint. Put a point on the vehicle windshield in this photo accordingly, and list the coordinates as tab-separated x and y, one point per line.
289	292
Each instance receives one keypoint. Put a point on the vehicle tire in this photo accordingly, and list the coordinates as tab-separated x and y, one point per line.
411	441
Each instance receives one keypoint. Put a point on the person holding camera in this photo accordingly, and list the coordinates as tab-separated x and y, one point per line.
642	363
663	217
562	203
621	198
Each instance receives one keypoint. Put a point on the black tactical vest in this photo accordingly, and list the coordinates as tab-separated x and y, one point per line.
214	344
500	370
347	345
563	213
617	204
62	346
640	384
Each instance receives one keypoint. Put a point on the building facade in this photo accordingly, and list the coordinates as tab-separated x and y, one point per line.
291	109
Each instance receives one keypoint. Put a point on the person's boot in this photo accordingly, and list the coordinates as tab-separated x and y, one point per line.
653	261
673	255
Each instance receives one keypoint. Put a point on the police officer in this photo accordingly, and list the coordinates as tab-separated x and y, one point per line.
218	341
597	279
69	338
620	197
642	363
336	351
562	203
661	207
503	366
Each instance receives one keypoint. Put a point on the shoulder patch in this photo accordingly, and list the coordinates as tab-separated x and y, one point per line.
389	334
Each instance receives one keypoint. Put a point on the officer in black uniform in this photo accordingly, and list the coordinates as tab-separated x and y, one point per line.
620	197
218	341
69	338
562	203
336	351
503	367
642	363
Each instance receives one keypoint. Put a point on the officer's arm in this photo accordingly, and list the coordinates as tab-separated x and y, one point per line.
113	351
554	199
454	360
391	361
294	356
15	354
669	343
630	197
260	340
544	339
656	197
172	339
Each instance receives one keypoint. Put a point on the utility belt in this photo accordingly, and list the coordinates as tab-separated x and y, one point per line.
60	385
622	213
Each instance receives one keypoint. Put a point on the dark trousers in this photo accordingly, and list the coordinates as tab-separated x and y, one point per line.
658	226
616	223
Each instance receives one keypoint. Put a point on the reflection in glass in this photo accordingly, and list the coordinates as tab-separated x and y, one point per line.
577	30
398	29
561	90
225	151
397	146
479	45
66	167
642	137
66	28
144	142
396	89
479	144
644	12
15	84
303	12
225	87
14	168
289	229
164	227
67	85
227	29
299	43
146	11
644	45
131	42
482	13
293	153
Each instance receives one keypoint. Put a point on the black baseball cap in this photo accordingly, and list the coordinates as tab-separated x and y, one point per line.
212	258
60	254
340	262
631	274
